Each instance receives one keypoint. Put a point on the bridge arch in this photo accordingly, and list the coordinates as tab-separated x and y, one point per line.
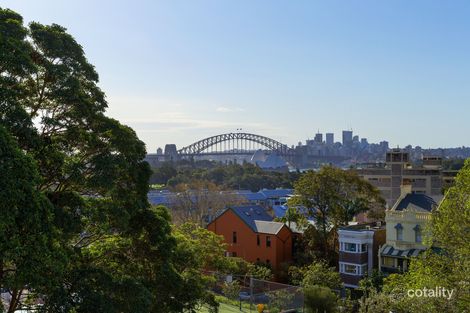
199	146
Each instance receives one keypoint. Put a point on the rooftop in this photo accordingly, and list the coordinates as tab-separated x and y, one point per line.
276	193
418	201
250	214
364	227
266	227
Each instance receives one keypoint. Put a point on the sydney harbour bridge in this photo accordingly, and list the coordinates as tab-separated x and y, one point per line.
231	144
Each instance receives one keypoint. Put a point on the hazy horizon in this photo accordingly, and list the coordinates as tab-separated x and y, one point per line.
180	71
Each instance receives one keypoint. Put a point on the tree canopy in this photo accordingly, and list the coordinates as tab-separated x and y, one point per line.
226	176
332	197
77	233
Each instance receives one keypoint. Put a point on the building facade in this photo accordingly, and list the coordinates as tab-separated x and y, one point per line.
358	250
250	234
406	222
428	178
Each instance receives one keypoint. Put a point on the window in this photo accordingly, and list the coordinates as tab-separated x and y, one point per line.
258	240
353	269
388	262
353	247
399	233
268	263
417	230
347	269
268	241
349	247
399	229
234	237
350	269
234	254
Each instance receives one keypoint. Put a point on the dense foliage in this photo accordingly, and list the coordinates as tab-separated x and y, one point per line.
318	273
231	176
332	197
76	231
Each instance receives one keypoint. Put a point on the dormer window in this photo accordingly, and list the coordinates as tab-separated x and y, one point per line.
417	230
399	229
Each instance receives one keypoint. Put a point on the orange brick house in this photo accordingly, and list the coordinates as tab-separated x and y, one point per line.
251	234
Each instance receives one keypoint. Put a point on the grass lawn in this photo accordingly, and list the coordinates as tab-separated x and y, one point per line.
226	308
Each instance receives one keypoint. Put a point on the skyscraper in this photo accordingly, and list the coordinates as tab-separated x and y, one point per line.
347	138
318	138
330	138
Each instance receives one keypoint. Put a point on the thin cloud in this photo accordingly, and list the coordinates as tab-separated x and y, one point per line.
229	110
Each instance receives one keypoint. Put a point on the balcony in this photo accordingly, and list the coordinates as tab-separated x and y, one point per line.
356	258
401	215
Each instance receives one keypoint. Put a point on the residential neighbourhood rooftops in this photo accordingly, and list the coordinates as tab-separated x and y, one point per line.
279	210
275	193
250	195
165	197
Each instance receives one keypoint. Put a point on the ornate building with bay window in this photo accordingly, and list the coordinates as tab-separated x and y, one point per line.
405	222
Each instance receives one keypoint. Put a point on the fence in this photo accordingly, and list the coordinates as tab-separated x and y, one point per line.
257	295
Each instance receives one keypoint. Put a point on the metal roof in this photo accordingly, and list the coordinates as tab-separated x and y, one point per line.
276	193
279	210
251	196
251	213
391	251
416	200
267	227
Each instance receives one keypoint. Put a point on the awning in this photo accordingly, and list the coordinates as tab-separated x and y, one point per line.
397	253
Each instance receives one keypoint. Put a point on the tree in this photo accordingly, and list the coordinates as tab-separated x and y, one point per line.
228	176
280	300
232	290
451	220
319	300
202	249
81	217
374	281
29	258
162	174
376	302
333	197
199	200
318	273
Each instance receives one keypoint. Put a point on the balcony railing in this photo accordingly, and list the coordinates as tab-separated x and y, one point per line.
402	215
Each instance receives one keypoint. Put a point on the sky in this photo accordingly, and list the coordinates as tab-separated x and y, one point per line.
179	71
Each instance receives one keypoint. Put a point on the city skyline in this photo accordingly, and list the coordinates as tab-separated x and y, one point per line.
178	72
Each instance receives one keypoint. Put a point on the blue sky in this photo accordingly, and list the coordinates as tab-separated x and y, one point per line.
179	71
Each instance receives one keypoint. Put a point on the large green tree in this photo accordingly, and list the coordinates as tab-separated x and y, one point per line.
318	273
78	214
332	197
29	254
